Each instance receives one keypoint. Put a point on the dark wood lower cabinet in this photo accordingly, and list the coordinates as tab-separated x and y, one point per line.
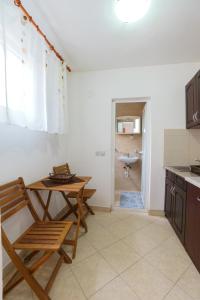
192	233
168	199
179	212
182	208
175	202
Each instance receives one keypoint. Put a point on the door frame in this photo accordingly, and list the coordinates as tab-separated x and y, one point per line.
147	176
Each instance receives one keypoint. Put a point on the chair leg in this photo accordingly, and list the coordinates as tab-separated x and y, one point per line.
32	282
53	274
66	258
76	236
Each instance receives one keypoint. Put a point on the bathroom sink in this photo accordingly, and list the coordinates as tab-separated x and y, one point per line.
128	160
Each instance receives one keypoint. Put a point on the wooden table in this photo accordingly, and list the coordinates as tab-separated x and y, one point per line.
64	189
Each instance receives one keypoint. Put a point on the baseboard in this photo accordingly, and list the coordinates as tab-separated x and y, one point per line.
101	208
157	213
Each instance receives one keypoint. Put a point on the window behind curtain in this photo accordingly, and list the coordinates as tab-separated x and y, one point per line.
29	70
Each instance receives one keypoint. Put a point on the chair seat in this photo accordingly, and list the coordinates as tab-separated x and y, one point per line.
87	194
44	236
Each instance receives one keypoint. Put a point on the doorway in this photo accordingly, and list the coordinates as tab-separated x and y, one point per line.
131	154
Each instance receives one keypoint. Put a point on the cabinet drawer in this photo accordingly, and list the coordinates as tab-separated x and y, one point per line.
170	175
180	182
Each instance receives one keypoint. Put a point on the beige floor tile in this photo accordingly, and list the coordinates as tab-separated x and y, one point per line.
92	221
121	229
116	290
106	219
99	237
20	292
122	213
93	273
190	282
170	258
138	221
43	273
156	233
177	294
84	250
66	287
120	256
147	282
140	243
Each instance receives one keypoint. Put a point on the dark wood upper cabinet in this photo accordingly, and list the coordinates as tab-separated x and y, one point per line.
192	233
192	91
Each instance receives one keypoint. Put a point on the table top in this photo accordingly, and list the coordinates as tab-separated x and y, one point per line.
71	187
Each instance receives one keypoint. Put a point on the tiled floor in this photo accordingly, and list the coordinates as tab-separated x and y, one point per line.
124	256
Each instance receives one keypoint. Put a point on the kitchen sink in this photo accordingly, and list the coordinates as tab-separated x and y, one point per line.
182	168
195	169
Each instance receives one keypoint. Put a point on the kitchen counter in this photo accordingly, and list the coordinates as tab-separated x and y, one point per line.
188	176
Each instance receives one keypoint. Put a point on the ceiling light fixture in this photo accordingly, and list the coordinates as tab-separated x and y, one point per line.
131	10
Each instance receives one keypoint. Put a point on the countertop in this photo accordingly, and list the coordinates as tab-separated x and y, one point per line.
188	176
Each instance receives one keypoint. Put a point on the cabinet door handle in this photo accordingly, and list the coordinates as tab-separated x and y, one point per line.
198	199
196	116
173	191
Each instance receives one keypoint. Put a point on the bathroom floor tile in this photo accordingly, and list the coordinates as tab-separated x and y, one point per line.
120	256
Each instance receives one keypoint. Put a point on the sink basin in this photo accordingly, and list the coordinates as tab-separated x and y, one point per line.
128	160
182	168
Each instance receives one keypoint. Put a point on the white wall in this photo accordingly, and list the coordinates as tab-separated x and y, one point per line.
30	154
91	94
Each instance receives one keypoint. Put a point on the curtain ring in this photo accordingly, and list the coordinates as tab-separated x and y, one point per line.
17	3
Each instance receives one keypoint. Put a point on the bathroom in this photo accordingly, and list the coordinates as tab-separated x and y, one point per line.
129	149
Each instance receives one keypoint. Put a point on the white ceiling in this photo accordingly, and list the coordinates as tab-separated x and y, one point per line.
95	39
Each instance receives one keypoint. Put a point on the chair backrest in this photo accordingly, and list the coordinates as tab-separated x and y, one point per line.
62	169
13	198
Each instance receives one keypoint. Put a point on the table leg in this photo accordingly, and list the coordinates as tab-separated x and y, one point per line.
47	205
40	200
72	207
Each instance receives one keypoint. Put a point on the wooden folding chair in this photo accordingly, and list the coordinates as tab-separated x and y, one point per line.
87	193
47	237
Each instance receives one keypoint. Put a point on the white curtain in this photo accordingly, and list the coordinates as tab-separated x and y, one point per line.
33	80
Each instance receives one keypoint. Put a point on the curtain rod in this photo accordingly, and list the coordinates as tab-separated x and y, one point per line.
19	4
